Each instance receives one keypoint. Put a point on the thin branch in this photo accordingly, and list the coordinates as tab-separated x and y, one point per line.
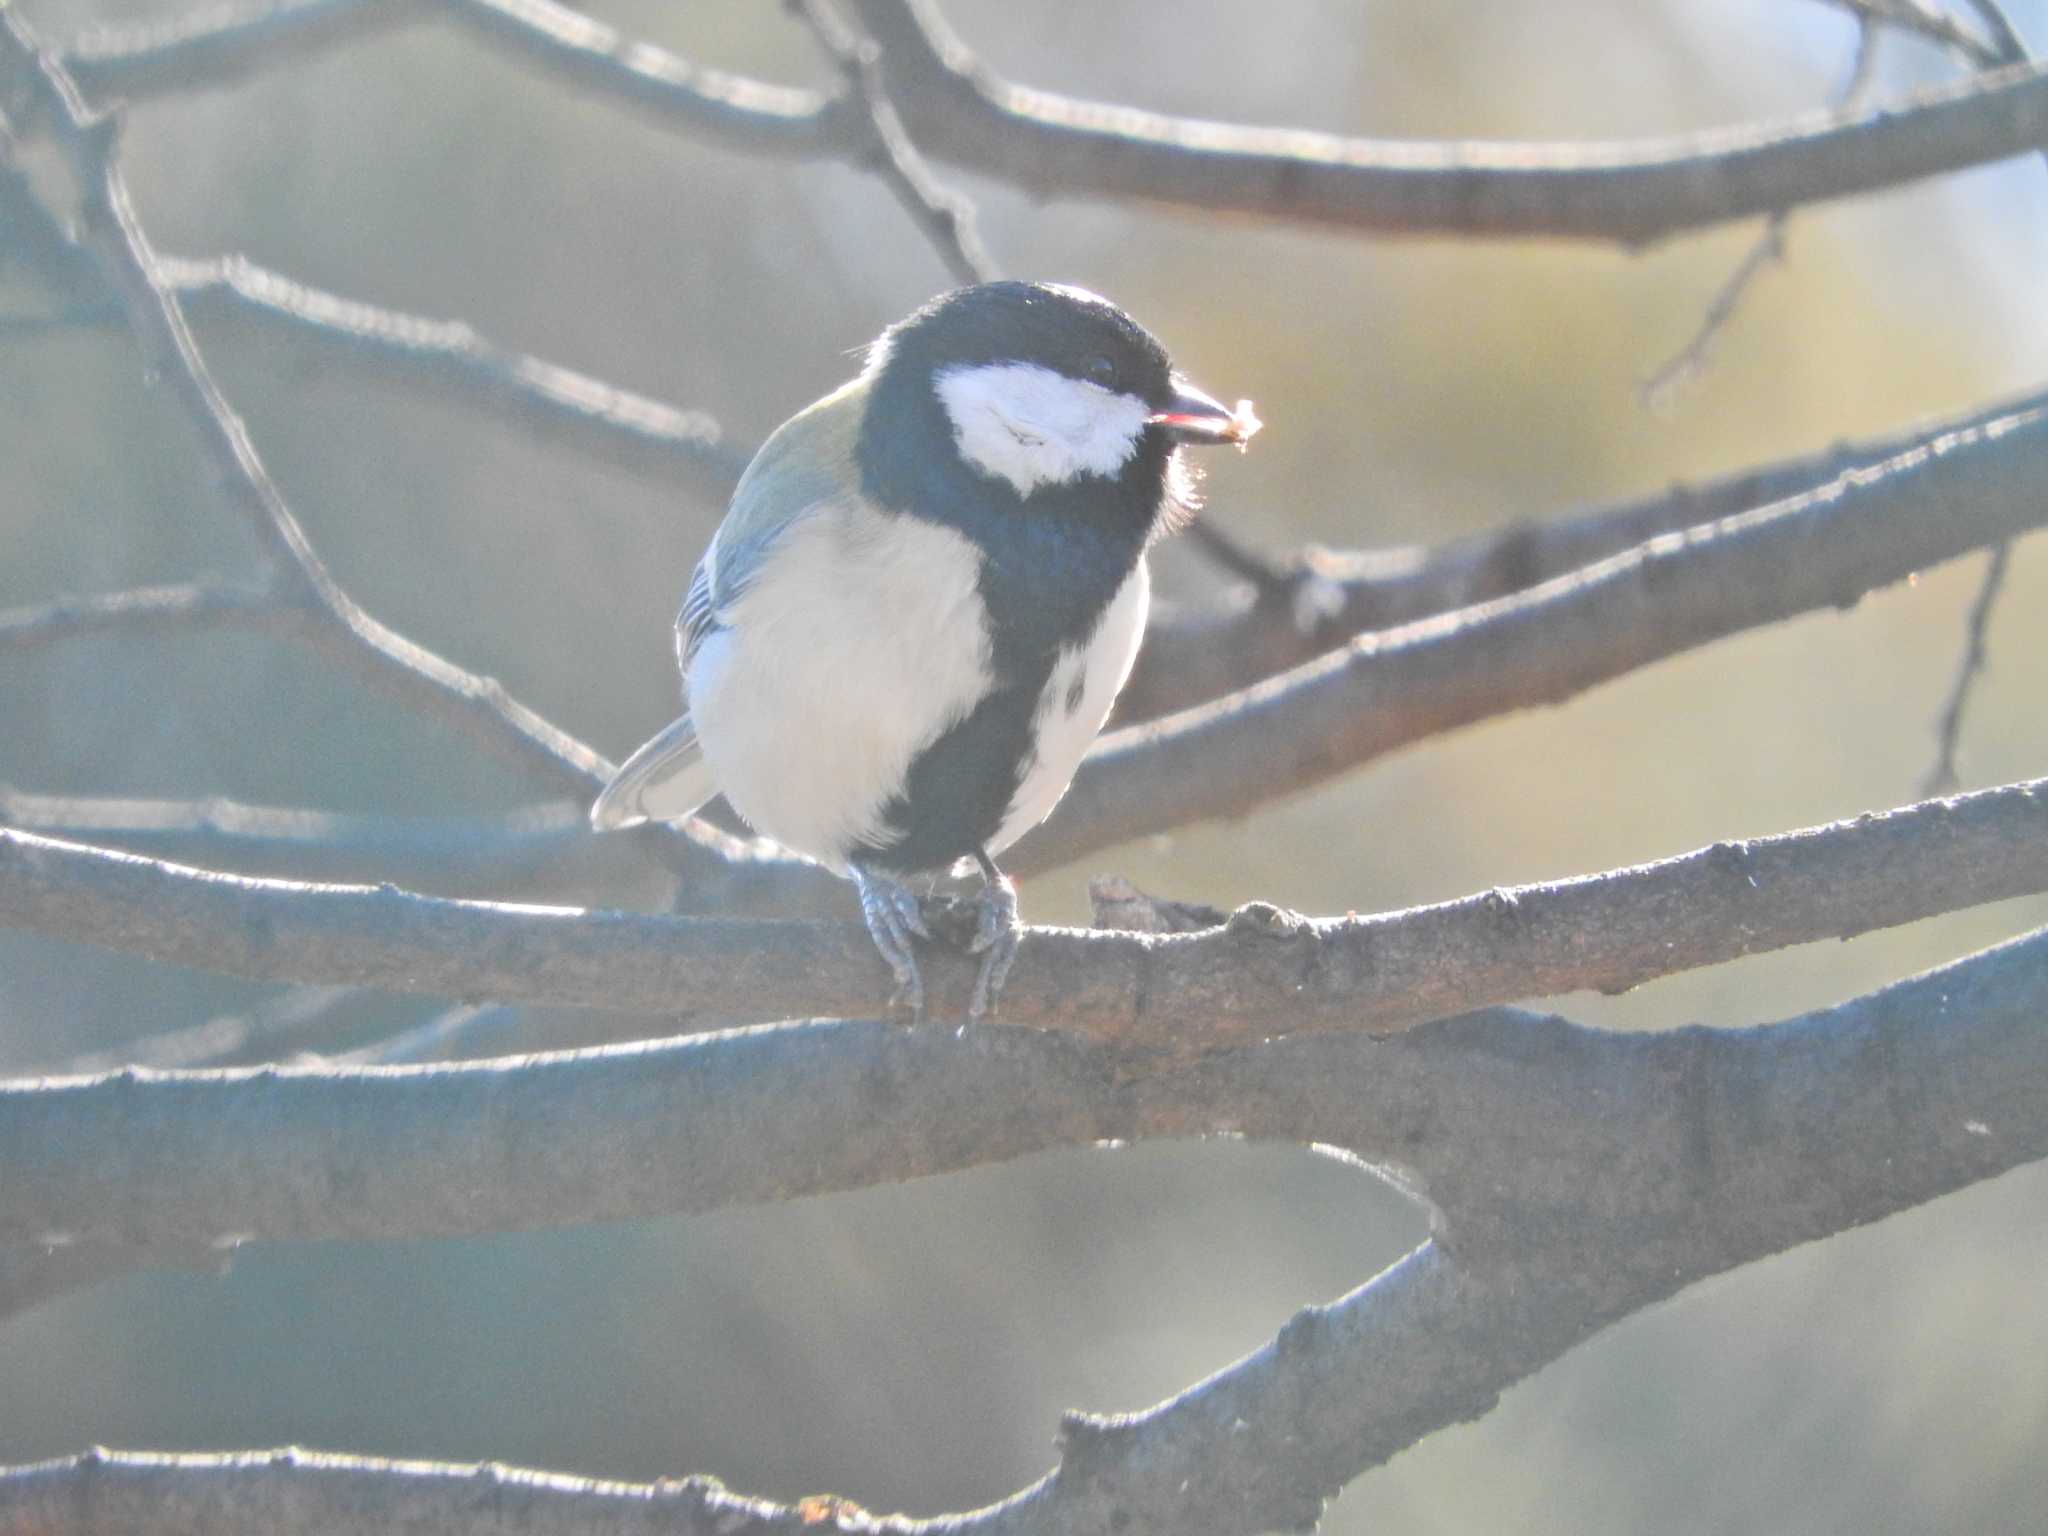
549	841
1659	392
1175	991
1547	1149
2006	46
1924	20
188	605
264	1033
219	43
469	1029
448	357
117	243
1627	191
1942	777
1871	526
945	215
527	390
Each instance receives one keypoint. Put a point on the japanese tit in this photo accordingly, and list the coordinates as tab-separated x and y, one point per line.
926	594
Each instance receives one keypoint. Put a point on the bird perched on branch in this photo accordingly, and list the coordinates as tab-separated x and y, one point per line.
924	599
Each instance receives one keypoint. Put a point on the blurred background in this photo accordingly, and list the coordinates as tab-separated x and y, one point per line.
912	1347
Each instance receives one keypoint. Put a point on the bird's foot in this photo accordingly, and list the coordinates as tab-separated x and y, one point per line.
894	916
997	932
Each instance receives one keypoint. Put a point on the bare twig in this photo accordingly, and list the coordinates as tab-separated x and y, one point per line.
545	844
1659	392
264	1033
447	355
468	1029
1924	20
528	390
116	241
188	605
1263	971
219	43
946	216
1942	777
2006	46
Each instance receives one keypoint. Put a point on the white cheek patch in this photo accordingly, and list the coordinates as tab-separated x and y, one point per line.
1032	426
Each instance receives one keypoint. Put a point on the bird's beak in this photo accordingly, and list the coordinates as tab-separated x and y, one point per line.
1195	417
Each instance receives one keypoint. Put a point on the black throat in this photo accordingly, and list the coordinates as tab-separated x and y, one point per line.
1052	560
1051	564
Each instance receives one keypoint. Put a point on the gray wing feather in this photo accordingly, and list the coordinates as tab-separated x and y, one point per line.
802	468
666	780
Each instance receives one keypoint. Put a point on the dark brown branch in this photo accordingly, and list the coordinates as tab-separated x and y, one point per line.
1872	526
1549	1150
1631	192
1263	970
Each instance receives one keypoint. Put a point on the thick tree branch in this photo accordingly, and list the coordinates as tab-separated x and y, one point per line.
1312	602
1263	971
290	1492
1579	1176
1871	526
1630	192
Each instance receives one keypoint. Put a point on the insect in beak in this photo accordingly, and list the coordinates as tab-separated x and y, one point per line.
1196	417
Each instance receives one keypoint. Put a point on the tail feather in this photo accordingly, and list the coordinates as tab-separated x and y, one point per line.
666	780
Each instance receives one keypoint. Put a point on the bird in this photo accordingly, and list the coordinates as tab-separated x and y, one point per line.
924	598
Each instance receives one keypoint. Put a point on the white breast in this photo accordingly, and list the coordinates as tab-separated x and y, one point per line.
855	647
1077	699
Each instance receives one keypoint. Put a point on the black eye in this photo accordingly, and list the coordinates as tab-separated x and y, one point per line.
1100	370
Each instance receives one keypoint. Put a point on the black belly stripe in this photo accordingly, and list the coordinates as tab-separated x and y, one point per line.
1052	563
958	788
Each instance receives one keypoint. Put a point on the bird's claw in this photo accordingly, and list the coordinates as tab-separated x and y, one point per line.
997	933
894	916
